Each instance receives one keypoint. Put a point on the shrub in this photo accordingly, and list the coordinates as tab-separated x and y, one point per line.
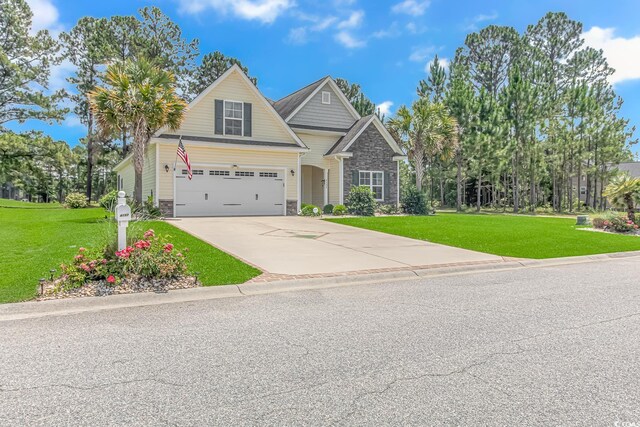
150	209
328	209
109	200
310	210
414	202
598	222
75	201
387	209
150	257
361	201
621	224
339	210
304	205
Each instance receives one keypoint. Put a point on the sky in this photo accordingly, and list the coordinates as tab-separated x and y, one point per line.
385	46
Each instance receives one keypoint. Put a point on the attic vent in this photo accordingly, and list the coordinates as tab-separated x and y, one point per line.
326	97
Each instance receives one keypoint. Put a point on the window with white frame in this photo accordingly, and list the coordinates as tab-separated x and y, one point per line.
375	181
326	97
233	118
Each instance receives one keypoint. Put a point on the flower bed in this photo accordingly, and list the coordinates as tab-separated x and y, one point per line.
149	264
615	224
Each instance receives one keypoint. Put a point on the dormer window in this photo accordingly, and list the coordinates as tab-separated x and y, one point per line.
233	118
326	97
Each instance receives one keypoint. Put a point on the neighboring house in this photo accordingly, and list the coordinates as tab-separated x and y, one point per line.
632	168
252	156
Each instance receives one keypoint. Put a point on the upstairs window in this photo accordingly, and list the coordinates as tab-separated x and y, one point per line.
326	97
233	118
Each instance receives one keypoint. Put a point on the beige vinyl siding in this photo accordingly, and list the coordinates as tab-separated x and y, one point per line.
315	113
334	182
199	120
318	147
127	176
202	155
149	174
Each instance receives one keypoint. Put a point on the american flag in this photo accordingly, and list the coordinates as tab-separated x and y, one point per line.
182	153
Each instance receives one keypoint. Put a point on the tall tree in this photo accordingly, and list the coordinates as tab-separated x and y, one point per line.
25	63
142	98
435	84
163	44
213	65
360	102
88	46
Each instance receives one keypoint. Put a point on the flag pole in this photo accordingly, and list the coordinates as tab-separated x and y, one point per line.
175	162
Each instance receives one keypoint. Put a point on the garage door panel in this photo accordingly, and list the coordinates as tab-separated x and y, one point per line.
231	193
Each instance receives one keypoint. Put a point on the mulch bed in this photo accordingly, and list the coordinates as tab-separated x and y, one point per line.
127	286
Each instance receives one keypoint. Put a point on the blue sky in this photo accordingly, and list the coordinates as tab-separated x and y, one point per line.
382	45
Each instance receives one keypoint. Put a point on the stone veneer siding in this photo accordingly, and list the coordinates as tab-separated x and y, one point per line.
292	207
166	207
372	153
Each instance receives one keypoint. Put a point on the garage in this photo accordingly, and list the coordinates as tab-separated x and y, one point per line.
230	192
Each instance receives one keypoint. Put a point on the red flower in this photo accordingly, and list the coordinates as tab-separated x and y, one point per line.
111	279
142	244
168	248
85	267
78	257
104	261
81	249
149	233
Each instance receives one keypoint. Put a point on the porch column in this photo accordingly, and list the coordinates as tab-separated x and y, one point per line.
326	187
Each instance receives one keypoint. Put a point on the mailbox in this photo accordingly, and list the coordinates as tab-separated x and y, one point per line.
123	216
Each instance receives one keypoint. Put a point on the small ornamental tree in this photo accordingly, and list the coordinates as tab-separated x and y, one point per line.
361	201
624	191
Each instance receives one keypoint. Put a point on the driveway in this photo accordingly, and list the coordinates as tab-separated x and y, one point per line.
297	245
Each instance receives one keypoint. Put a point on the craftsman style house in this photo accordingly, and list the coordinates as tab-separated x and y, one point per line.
253	156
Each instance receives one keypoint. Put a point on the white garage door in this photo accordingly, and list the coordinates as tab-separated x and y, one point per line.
230	192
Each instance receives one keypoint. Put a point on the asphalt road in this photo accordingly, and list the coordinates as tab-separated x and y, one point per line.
538	346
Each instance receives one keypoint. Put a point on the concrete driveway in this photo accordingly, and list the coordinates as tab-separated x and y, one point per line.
297	245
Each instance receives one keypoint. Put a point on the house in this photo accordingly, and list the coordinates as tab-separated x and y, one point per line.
253	156
595	198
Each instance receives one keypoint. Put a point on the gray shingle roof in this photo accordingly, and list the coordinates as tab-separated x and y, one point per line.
289	103
340	145
632	167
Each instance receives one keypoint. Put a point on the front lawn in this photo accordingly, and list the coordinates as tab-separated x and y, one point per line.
506	235
35	238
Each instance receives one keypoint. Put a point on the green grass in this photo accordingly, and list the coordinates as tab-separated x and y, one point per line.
505	235
35	238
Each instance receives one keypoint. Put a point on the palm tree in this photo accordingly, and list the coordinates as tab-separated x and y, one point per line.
426	132
624	191
140	99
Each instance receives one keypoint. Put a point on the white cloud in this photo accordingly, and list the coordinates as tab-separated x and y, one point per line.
324	23
392	31
622	54
297	35
419	54
354	20
472	24
72	121
45	16
444	63
385	107
265	11
58	75
348	40
414	28
411	7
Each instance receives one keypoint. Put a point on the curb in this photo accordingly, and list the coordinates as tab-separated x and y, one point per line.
62	307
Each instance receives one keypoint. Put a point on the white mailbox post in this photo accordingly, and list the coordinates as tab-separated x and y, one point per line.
123	216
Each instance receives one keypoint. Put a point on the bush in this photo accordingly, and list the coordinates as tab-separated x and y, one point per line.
414	202
310	210
328	209
149	257
304	205
109	200
361	201
621	224
339	210
387	209
76	201
598	222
